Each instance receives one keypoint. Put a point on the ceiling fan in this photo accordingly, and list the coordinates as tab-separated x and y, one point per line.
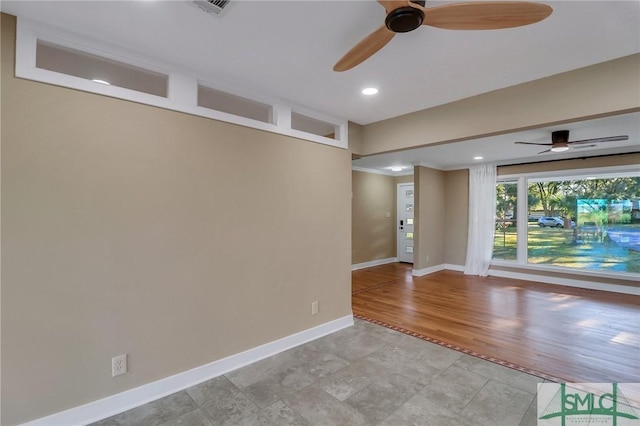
404	16
560	141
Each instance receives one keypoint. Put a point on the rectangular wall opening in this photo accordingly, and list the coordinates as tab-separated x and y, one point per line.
312	125
101	70
231	104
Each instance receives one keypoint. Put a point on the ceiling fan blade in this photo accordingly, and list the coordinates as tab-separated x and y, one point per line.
390	5
598	140
363	50
584	146
542	152
534	143
484	15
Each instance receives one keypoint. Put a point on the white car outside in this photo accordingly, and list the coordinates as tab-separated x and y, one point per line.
553	221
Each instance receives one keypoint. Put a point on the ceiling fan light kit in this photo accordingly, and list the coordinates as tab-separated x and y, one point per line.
404	16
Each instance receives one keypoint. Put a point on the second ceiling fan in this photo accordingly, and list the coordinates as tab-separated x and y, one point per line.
404	16
560	141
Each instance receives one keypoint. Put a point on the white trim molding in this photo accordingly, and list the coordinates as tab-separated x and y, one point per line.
430	165
182	83
591	285
452	267
427	271
372	263
566	270
414	272
374	171
408	172
118	403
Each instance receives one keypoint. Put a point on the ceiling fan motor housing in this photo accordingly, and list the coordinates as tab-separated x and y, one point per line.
560	136
405	19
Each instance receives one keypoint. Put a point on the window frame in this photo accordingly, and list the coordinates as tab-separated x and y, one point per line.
524	179
516	217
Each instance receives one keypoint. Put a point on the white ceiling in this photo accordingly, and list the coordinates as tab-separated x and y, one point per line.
286	50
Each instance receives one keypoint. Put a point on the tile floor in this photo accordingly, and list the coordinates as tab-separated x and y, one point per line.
363	375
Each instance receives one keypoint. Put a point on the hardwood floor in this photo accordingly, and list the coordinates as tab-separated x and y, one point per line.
562	333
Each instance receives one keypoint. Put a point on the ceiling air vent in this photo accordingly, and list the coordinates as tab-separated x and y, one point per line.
212	6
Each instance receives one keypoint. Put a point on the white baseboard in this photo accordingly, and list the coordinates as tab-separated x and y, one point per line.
592	285
118	403
429	270
452	267
374	263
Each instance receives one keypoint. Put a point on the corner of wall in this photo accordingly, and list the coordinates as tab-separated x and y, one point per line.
457	217
372	217
430	212
356	138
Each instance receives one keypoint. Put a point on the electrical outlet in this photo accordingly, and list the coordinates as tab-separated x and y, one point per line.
118	365
427	258
314	308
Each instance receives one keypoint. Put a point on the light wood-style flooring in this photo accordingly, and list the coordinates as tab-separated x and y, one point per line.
563	333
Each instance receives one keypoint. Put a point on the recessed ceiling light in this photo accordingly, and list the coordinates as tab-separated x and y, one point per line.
478	157
97	80
559	148
396	169
369	91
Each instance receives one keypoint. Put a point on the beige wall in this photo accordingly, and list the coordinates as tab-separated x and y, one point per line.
456	205
603	89
355	138
372	232
403	179
373	235
176	239
430	212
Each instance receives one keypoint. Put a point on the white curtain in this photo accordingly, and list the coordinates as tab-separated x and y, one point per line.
482	212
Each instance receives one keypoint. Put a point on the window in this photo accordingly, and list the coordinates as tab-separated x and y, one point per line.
101	70
54	56
312	125
225	102
581	222
585	222
506	235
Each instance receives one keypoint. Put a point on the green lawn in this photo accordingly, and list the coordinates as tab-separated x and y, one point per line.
552	246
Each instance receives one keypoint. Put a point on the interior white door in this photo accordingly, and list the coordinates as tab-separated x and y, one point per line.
405	222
